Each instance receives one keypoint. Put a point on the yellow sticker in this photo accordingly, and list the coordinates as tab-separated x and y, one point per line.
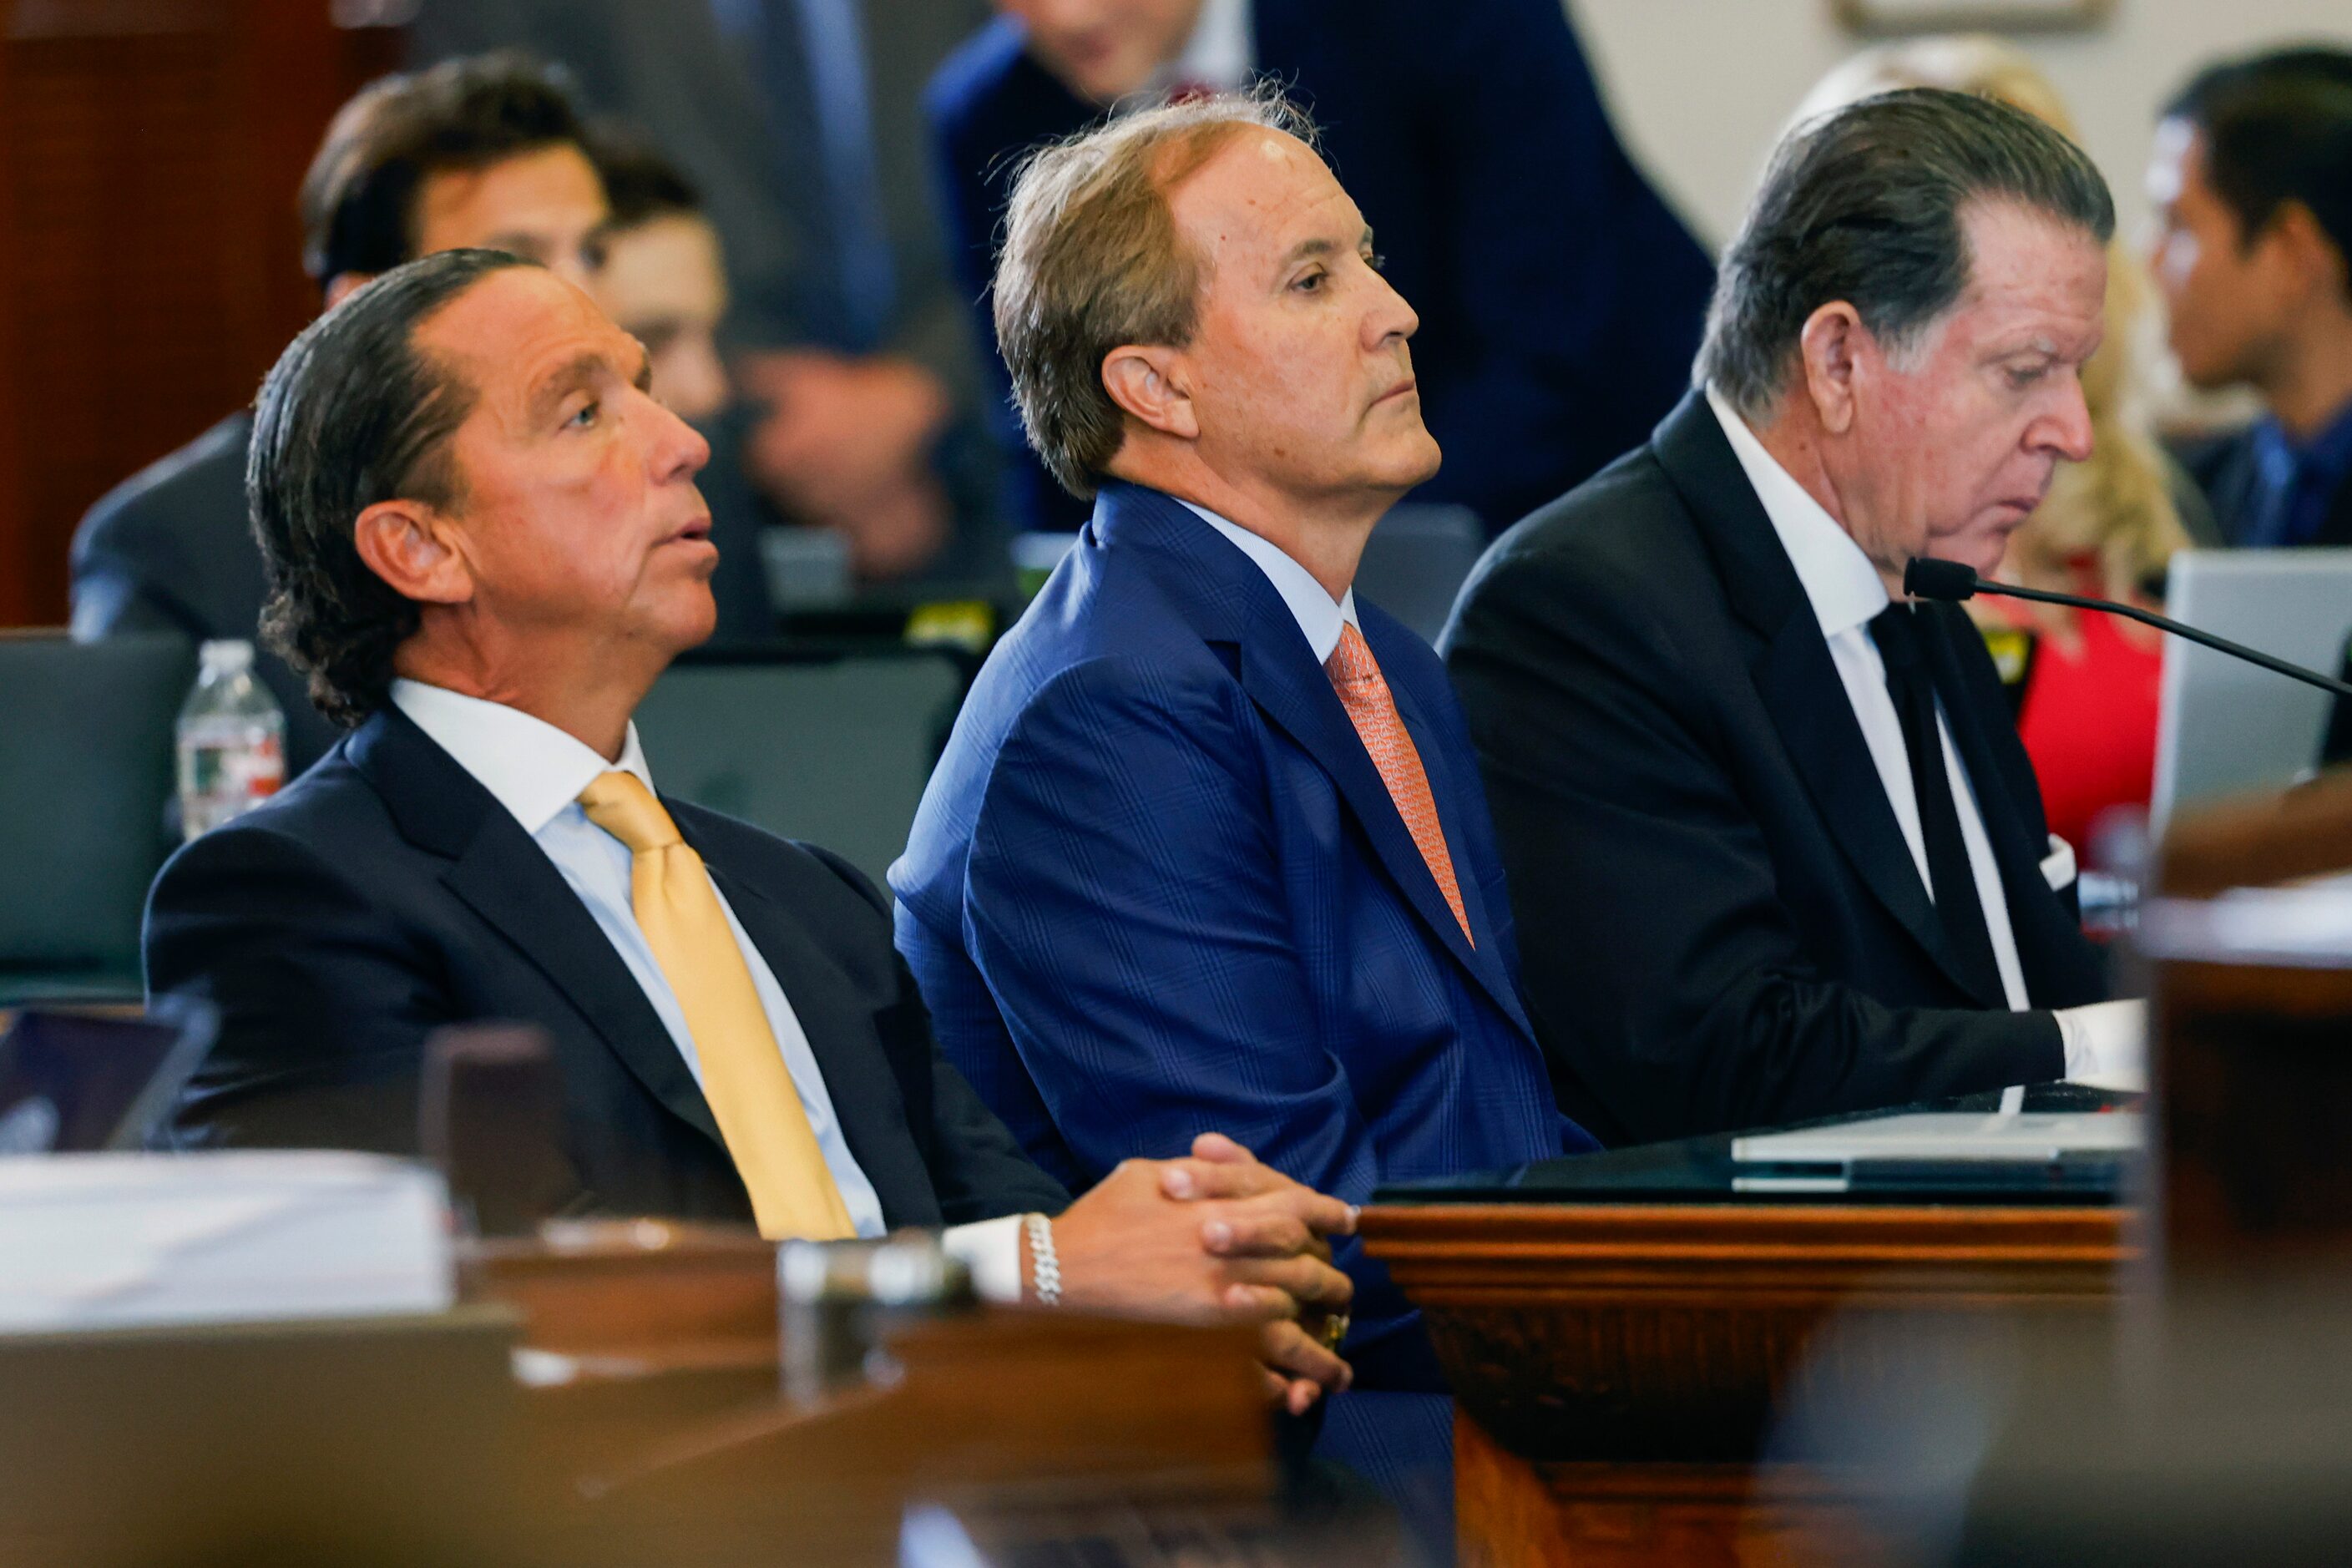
2009	649
958	623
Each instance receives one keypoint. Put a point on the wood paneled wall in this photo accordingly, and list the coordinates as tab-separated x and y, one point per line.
150	151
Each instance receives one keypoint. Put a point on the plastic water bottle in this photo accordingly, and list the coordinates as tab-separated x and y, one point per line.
231	739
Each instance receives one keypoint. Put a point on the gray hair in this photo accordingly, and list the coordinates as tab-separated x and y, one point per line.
1092	259
1865	204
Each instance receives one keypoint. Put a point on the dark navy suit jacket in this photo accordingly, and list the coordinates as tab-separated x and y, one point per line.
169	548
386	893
1725	925
1156	888
1560	301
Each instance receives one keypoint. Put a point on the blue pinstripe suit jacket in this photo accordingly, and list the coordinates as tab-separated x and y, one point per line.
1156	888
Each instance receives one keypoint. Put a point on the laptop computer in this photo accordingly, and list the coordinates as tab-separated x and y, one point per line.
1941	1152
87	1083
2225	725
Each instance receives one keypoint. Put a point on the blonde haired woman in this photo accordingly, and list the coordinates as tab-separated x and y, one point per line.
2086	684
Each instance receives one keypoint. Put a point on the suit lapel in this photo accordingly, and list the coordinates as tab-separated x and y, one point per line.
1485	958
865	1100
1805	696
1795	675
508	880
1226	599
1282	677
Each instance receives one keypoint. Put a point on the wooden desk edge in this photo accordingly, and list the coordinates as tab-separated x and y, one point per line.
1440	1253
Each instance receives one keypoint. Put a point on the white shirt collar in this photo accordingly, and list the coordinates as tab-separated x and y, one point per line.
1312	607
1843	587
532	768
1220	54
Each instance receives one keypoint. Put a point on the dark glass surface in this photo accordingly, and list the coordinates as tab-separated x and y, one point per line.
1700	1169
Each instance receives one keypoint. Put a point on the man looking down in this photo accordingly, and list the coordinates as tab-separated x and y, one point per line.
1774	845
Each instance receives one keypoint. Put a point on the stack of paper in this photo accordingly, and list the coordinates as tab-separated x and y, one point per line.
114	1240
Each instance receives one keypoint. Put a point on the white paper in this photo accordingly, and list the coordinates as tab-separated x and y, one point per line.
114	1240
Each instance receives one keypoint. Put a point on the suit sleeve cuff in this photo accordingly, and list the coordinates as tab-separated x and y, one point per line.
991	1249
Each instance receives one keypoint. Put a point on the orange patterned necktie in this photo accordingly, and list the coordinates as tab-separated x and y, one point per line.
1364	693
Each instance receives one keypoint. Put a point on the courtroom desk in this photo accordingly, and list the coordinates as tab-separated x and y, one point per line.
659	1413
364	1442
1624	1330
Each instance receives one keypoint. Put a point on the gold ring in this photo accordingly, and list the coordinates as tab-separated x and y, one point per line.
1334	1332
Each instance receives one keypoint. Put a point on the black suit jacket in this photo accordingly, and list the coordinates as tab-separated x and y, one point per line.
2225	469
388	893
170	549
1720	922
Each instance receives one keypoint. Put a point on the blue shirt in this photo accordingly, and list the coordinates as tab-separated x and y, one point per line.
2297	481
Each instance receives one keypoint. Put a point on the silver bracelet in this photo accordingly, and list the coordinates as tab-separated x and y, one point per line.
1045	1269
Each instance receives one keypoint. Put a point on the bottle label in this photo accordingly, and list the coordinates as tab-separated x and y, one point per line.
226	771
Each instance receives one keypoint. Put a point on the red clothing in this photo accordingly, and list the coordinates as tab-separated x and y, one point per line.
2089	718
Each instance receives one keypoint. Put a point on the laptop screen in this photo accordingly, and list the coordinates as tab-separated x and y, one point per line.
81	1082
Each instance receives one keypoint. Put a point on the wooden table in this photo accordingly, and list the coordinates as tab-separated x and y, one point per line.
1619	1364
658	1414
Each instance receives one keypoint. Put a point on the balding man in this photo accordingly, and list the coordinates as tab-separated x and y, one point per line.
1207	847
1775	847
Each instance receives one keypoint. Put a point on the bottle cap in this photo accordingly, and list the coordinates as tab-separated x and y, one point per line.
226	655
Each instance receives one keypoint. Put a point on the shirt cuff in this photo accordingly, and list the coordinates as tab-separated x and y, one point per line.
991	1249
2106	1044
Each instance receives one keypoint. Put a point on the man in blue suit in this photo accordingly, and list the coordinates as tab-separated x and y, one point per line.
1561	300
1207	847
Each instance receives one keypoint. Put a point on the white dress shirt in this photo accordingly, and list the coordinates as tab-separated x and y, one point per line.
1846	592
1319	615
1220	54
536	772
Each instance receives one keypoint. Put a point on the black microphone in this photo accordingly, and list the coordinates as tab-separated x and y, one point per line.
1927	578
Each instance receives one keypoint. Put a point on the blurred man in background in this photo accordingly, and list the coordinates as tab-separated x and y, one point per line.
2253	185
482	151
663	281
798	122
664	276
1561	300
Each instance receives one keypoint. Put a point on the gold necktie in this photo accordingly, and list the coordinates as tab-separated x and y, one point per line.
744	1078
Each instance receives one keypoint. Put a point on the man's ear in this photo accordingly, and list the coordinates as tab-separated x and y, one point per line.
1148	382
343	285
412	547
2318	265
1829	349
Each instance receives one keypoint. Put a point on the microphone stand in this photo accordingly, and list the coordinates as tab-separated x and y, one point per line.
2132	612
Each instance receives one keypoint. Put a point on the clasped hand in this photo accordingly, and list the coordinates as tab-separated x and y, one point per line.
1217	1238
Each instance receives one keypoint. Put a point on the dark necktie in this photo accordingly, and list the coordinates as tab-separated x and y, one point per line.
1952	881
